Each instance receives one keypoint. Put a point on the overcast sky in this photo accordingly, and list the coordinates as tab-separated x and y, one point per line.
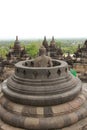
36	18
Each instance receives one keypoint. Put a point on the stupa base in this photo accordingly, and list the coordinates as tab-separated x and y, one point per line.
76	112
55	100
81	125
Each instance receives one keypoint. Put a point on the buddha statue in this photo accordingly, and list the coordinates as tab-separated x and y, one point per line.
42	60
45	43
52	43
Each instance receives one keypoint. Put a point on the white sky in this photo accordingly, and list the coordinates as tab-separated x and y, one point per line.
36	18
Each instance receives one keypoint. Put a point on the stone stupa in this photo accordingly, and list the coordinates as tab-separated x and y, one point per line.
81	61
52	49
17	52
43	98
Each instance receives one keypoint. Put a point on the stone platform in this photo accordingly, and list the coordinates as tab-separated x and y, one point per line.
46	98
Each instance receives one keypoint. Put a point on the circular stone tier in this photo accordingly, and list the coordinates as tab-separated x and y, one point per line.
41	86
46	98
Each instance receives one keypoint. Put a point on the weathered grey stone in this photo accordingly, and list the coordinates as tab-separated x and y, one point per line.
43	98
81	62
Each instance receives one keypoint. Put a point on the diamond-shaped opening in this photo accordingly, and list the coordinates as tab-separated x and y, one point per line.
58	71
17	70
32	64
65	69
26	64
48	74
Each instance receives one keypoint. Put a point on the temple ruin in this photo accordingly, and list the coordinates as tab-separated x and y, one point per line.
52	50
43	98
81	61
16	53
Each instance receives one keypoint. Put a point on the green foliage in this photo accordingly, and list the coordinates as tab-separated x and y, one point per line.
32	46
32	49
3	51
70	49
67	47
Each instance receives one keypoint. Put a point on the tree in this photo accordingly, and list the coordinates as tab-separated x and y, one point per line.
32	49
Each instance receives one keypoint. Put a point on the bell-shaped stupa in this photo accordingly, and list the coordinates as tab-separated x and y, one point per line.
42	98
